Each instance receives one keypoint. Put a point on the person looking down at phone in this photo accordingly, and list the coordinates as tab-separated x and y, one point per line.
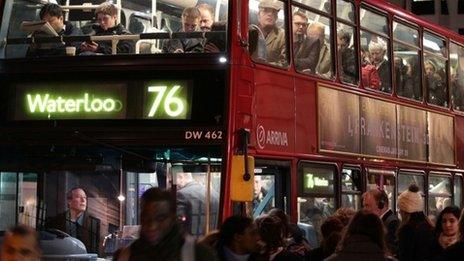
107	24
53	14
190	23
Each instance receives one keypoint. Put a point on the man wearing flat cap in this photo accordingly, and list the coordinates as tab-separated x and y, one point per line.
275	36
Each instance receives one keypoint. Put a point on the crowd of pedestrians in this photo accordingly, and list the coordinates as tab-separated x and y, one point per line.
372	233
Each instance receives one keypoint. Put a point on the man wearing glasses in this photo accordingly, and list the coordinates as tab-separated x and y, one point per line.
107	24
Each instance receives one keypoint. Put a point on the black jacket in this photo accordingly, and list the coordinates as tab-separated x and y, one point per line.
391	222
307	54
384	75
454	252
54	49
125	46
415	239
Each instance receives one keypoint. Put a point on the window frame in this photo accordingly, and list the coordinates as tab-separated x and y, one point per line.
376	170
351	192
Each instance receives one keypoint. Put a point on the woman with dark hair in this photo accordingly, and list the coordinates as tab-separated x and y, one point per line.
271	232
415	233
456	251
331	234
446	230
364	239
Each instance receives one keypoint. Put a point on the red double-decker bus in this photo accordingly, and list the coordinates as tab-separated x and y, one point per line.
326	98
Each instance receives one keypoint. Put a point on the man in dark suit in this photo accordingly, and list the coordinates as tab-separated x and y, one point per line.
306	49
376	201
191	203
77	222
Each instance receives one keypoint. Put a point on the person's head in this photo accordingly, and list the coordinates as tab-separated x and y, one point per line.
448	221
271	232
77	200
331	231
377	51
20	244
53	14
280	214
300	25
345	214
239	234
375	201
183	178
206	17
258	185
317	30
157	216
106	15
343	39
366	224
190	19
267	15
429	68
410	201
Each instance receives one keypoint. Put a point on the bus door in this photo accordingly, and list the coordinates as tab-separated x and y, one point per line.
18	199
271	186
384	180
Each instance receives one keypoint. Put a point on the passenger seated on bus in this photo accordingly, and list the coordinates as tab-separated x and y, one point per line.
348	68
206	17
434	82
20	243
106	15
377	51
256	44
274	35
190	23
324	62
369	75
305	48
216	42
53	14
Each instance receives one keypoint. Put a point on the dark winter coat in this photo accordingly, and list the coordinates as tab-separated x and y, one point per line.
415	239
391	223
357	248
454	252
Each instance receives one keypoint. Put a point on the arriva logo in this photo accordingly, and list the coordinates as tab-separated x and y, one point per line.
270	137
47	104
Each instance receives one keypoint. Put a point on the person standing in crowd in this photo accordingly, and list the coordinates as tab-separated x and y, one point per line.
306	49
191	17
295	240
161	237
20	244
271	232
77	222
446	231
324	62
345	214
347	65
238	240
415	233
106	15
331	231
191	199
274	35
363	240
456	251
53	14
376	201
377	52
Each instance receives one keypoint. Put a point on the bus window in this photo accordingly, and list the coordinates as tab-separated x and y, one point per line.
458	191
312	40
406	55
270	186
138	28
316	201
405	179
321	5
435	66
351	188
346	11
457	76
439	194
375	52
268	41
384	180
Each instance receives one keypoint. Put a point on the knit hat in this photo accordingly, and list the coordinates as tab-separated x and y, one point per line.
411	201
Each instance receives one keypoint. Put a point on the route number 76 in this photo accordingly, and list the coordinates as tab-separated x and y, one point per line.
173	106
